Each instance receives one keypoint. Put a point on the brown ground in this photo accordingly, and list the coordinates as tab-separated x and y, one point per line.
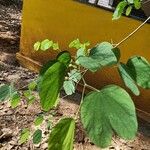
13	120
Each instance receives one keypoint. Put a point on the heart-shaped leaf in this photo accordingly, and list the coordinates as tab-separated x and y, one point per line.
110	110
100	56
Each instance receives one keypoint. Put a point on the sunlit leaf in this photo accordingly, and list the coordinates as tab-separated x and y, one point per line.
52	81
100	56
110	110
15	99
75	75
119	10
46	44
37	46
62	135
128	10
69	87
32	85
25	134
38	121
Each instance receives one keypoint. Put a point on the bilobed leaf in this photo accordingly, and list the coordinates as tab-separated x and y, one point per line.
100	56
69	87
52	81
37	46
107	111
119	10
37	136
126	76
128	10
25	134
140	69
15	99
4	92
46	44
62	135
38	121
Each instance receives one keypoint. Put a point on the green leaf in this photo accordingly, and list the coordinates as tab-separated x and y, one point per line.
62	135
110	110
37	136
137	4
55	46
140	69
29	96
4	92
75	75
46	66
38	121
99	57
64	57
116	51
46	44
119	10
128	10
52	81
75	44
37	46
15	100
25	134
126	76
32	85
69	87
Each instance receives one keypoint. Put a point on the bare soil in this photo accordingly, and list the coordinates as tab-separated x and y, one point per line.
12	121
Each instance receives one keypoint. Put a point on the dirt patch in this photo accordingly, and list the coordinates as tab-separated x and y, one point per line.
12	121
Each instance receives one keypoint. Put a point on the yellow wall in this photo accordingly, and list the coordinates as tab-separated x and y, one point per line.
65	20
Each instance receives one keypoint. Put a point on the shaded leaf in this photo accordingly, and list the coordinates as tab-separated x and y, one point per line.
111	109
25	134
126	76
62	135
4	92
37	136
140	69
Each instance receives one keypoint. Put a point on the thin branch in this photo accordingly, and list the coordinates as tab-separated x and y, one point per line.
132	33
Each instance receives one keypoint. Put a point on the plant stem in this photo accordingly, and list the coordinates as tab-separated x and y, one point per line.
132	33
